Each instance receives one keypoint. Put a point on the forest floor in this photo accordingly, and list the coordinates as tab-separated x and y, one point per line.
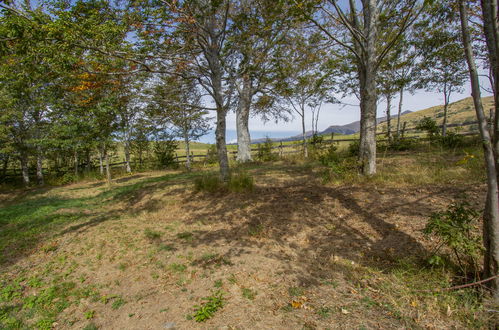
293	253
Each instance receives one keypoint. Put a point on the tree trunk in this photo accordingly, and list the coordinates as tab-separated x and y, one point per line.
491	31
39	166
24	168
389	116
446	108
187	151
76	163
400	110
242	121
368	95
101	160
223	160
88	160
108	169
127	155
304	135
491	216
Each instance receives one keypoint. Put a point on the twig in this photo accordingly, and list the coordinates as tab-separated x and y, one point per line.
457	287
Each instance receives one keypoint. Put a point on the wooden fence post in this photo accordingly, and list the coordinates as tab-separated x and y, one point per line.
403	128
280	150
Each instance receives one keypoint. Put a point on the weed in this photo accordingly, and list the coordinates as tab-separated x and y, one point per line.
89	314
166	247
241	182
255	229
179	268
207	310
90	326
218	284
187	236
295	291
324	312
122	266
232	279
118	302
152	235
248	293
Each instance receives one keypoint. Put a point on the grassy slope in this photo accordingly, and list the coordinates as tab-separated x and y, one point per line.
294	253
459	112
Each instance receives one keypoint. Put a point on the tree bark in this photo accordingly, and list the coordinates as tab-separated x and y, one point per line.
24	168
75	158
491	216
401	100
101	160
5	165
108	168
242	121
39	166
88	160
389	116
187	151
304	135
128	168
447	91
368	95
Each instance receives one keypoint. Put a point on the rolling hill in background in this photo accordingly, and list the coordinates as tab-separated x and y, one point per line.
459	112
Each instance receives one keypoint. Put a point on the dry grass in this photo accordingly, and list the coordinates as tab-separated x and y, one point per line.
292	253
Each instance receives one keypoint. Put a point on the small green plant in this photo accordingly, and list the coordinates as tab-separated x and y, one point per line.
248	293
90	326
89	314
117	303
152	235
179	268
241	182
455	228
324	312
211	304
218	284
264	152
187	236
451	140
330	156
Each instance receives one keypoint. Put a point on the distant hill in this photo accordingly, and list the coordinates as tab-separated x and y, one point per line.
459	112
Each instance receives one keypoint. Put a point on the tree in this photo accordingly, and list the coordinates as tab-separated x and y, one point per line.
442	64
368	34
305	83
491	216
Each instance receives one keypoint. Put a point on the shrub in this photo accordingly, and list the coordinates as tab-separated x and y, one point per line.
264	153
451	140
330	156
399	144
429	125
354	148
165	152
454	228
208	183
240	182
68	178
211	155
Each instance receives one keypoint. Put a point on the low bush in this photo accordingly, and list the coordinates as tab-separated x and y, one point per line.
264	153
208	183
241	182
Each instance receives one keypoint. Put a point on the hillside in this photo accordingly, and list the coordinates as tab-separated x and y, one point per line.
461	111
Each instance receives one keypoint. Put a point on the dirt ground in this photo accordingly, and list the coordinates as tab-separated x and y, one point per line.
294	253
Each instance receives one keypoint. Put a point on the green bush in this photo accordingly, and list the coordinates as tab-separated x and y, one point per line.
429	125
165	153
329	156
264	153
241	182
68	178
455	229
451	140
209	183
354	148
399	144
211	155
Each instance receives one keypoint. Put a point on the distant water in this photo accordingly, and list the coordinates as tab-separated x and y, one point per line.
232	135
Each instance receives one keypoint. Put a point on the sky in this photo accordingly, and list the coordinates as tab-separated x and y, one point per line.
336	114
